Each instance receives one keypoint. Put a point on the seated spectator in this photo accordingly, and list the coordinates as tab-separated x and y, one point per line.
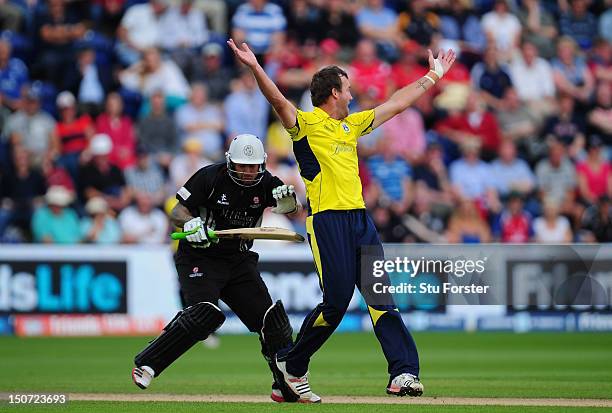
503	30
556	175
120	129
14	76
470	176
492	81
107	16
405	134
32	128
10	17
510	174
600	63
56	223
142	223
146	177
474	122
210	70
605	25
152	74
57	30
552	228
567	126
578	23
418	23
201	120
594	173
100	227
183	31
393	175
100	178
466	225
72	133
246	109
184	165
600	116
88	81
390	226
459	23
571	73
532	78
596	222
339	23
304	22
379	23
514	223
432	186
517	122
157	131
139	30
259	23
407	69
368	73
539	27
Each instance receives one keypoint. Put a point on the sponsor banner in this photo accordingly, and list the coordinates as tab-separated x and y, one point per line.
86	325
6	326
523	322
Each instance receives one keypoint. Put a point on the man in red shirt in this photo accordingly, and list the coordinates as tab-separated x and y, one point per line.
369	74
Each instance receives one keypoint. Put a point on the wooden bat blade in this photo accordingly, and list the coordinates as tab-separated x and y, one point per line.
272	233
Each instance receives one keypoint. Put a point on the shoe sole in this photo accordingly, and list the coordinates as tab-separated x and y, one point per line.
280	399
405	391
135	381
280	379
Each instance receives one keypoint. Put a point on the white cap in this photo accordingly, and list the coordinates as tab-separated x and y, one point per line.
246	149
65	100
58	195
101	144
96	205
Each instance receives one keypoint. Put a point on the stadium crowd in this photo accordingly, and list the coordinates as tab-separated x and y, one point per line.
108	106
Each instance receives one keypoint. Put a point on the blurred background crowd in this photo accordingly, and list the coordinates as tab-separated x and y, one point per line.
108	106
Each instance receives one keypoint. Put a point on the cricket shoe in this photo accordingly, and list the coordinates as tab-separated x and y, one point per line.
142	376
298	385
405	384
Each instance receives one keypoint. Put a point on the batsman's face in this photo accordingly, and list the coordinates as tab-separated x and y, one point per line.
247	173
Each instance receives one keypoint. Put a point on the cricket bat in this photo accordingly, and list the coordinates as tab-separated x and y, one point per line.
281	234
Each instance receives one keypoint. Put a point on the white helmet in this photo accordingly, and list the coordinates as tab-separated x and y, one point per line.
246	149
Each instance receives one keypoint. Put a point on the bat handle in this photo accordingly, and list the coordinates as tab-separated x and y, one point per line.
183	235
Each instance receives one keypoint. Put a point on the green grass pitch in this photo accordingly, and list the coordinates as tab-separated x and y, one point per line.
535	365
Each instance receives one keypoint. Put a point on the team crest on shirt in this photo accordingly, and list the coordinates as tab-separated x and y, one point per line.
345	127
255	203
223	200
195	273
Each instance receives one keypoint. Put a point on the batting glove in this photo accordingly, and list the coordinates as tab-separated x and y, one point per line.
286	202
200	238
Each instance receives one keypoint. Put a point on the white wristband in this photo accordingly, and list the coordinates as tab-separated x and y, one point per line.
430	79
438	69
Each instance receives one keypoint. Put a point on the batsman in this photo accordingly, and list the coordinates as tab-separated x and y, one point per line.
222	196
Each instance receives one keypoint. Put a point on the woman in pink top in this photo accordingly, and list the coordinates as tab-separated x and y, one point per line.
594	173
121	131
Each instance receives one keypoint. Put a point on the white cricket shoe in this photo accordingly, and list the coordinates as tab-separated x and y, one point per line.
298	385
142	376
405	384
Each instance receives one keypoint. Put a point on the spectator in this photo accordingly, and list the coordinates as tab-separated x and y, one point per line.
56	223
490	78
596	222
304	22
594	173
210	70
579	24
532	77
260	24
184	165
571	73
14	76
143	224
514	223
459	23
389	225
393	175
551	228
107	16
405	134
503	30
567	126
379	23
517	122
338	23
100	227
57	32
246	108
418	23
466	225
146	177
10	17
407	69
120	129
99	178
600	117
432	187
158	131
201	120
152	74
88	81
605	25
470	176
72	133
368	73
556	176
601	61
32	128
539	27
139	30
510	174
